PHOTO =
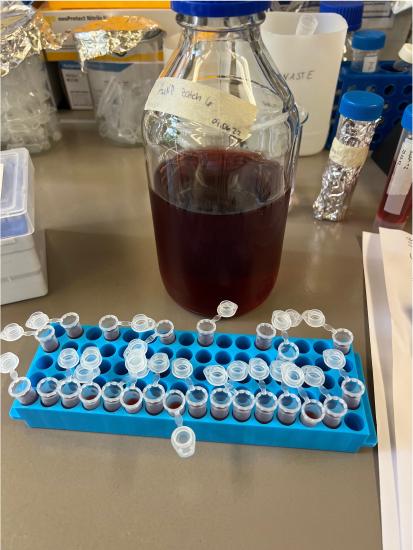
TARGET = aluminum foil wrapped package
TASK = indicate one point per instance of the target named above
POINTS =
(24, 33)
(359, 115)
(28, 112)
(123, 58)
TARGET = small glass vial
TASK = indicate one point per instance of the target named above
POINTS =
(47, 338)
(131, 399)
(21, 389)
(366, 49)
(70, 322)
(47, 390)
(396, 203)
(153, 395)
(242, 405)
(90, 395)
(196, 399)
(220, 401)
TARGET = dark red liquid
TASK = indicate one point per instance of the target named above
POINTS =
(389, 218)
(219, 219)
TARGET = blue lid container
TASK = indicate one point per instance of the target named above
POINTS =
(360, 105)
(218, 8)
(351, 11)
(368, 40)
(407, 119)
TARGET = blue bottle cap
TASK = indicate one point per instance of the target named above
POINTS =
(360, 105)
(351, 11)
(222, 8)
(368, 40)
(407, 118)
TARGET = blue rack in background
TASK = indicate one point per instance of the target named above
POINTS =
(395, 88)
(356, 431)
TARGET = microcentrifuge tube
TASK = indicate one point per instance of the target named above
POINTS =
(206, 327)
(196, 397)
(242, 405)
(265, 336)
(158, 364)
(287, 351)
(136, 345)
(312, 412)
(342, 339)
(90, 395)
(353, 390)
(69, 392)
(20, 388)
(265, 405)
(131, 399)
(165, 331)
(109, 325)
(111, 393)
(71, 323)
(281, 321)
(88, 368)
(47, 390)
(47, 338)
(220, 400)
(335, 409)
(289, 406)
(335, 359)
(68, 359)
(259, 371)
(153, 398)
(183, 438)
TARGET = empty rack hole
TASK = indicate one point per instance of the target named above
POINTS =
(107, 350)
(44, 362)
(72, 345)
(223, 341)
(354, 422)
(222, 357)
(203, 356)
(129, 335)
(120, 368)
(104, 367)
(242, 342)
(186, 339)
(93, 333)
(184, 354)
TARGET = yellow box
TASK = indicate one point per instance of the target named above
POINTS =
(109, 4)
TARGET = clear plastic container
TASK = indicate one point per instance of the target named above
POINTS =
(17, 194)
(366, 46)
(120, 88)
(28, 112)
(220, 133)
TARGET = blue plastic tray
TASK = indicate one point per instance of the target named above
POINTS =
(394, 87)
(356, 431)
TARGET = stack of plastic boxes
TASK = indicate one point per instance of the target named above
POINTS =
(23, 250)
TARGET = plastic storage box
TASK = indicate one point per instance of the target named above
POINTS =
(356, 430)
(23, 252)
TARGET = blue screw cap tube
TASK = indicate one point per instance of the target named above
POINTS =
(359, 115)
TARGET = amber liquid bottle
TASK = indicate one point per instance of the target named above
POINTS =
(220, 179)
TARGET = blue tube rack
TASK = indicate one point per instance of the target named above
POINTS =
(394, 87)
(356, 431)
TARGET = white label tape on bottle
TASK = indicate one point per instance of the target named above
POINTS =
(369, 63)
(401, 179)
(349, 157)
(203, 104)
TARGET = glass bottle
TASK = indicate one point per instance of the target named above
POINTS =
(396, 203)
(220, 133)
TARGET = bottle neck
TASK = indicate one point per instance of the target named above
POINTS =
(224, 25)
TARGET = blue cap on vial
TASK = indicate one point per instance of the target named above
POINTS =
(351, 11)
(222, 8)
(407, 118)
(368, 40)
(360, 105)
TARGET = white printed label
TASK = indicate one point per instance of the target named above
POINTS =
(369, 63)
(401, 179)
(202, 104)
(349, 157)
(1, 177)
